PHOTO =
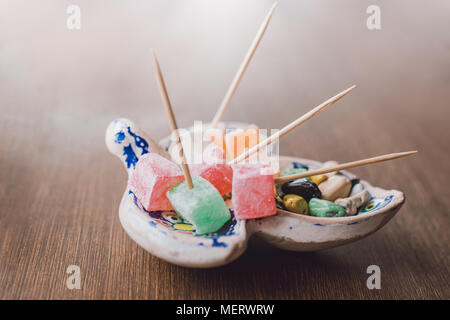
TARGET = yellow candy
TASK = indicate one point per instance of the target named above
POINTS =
(296, 204)
(319, 178)
(183, 226)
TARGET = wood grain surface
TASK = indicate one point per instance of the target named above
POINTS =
(60, 188)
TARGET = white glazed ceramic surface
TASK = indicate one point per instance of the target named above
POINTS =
(167, 236)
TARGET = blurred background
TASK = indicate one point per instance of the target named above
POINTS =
(59, 88)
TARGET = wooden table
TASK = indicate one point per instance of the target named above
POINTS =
(60, 188)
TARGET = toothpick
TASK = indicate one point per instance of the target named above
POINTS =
(172, 120)
(237, 78)
(291, 126)
(343, 166)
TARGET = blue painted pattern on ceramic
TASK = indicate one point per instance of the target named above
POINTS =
(131, 157)
(296, 164)
(120, 136)
(139, 141)
(377, 203)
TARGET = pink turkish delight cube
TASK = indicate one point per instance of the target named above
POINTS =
(214, 169)
(153, 177)
(253, 191)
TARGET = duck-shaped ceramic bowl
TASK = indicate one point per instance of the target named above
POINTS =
(165, 235)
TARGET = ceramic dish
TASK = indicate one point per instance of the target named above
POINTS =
(167, 236)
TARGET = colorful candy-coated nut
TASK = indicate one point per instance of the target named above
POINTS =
(295, 203)
(337, 186)
(303, 188)
(289, 171)
(319, 178)
(325, 209)
(353, 203)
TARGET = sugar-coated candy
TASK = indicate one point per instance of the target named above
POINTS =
(237, 141)
(212, 154)
(353, 203)
(253, 191)
(337, 186)
(202, 205)
(302, 187)
(261, 158)
(217, 137)
(216, 174)
(154, 175)
(214, 169)
(325, 209)
(295, 203)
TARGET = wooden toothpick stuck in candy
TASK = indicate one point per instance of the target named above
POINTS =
(172, 120)
(200, 203)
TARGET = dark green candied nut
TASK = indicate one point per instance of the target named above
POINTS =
(295, 203)
(325, 209)
(303, 188)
